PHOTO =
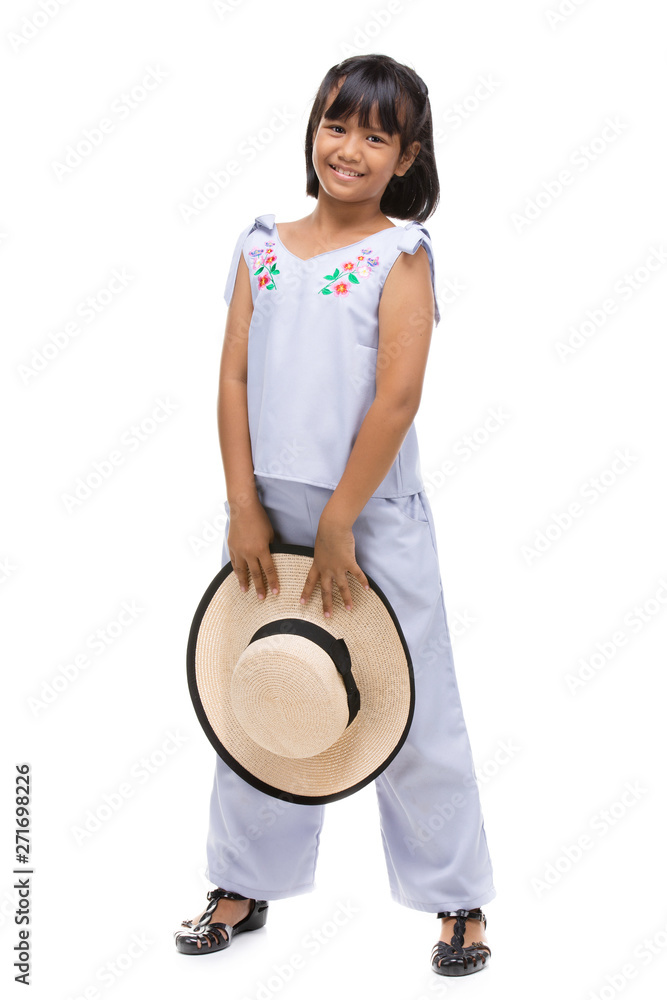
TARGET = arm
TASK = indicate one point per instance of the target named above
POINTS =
(250, 529)
(233, 429)
(406, 315)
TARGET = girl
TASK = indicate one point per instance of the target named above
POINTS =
(325, 348)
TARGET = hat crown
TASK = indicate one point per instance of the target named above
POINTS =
(288, 696)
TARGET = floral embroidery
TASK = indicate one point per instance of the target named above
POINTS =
(264, 259)
(361, 267)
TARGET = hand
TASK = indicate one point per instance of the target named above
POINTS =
(250, 532)
(333, 559)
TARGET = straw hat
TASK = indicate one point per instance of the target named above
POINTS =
(305, 708)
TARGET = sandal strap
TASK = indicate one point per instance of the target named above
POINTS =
(224, 894)
(213, 896)
(475, 914)
(460, 926)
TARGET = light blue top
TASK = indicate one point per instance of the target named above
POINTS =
(313, 349)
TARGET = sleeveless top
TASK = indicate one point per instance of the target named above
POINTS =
(312, 353)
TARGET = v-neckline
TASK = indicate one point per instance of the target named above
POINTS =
(306, 260)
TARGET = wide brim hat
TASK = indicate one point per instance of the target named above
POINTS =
(305, 708)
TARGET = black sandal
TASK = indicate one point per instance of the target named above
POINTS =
(453, 959)
(203, 937)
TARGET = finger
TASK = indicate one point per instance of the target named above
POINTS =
(271, 573)
(345, 594)
(240, 573)
(309, 585)
(360, 576)
(256, 573)
(327, 596)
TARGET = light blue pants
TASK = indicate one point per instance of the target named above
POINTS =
(430, 815)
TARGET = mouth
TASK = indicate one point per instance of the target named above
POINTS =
(349, 175)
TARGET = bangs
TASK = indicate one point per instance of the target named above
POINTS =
(365, 94)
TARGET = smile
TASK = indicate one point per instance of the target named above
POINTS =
(344, 173)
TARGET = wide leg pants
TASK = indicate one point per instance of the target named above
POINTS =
(430, 815)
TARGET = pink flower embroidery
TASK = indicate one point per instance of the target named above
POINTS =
(352, 270)
(265, 261)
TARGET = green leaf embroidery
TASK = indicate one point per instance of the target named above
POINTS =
(262, 256)
(366, 261)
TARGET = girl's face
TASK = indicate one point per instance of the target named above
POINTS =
(369, 155)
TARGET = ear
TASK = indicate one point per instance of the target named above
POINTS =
(408, 158)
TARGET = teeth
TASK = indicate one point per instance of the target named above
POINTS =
(347, 173)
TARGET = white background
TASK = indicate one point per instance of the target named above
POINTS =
(532, 619)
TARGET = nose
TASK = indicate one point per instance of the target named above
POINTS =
(348, 149)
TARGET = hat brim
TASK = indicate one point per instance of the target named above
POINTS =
(372, 739)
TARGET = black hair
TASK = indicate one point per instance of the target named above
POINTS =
(403, 107)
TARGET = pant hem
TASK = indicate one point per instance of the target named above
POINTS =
(251, 893)
(457, 904)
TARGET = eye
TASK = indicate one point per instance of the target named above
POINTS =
(379, 139)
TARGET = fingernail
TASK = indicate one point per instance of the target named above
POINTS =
(302, 600)
(261, 597)
(275, 590)
(349, 607)
(327, 614)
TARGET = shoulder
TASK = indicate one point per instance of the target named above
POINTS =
(411, 275)
(260, 225)
(412, 251)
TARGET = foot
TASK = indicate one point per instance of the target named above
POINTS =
(227, 911)
(474, 933)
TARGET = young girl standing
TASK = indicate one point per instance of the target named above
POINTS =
(325, 349)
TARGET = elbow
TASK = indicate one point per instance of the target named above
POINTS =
(402, 409)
